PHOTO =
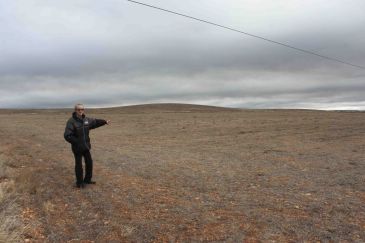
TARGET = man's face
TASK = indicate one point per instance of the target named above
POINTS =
(80, 110)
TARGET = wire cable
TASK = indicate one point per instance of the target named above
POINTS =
(245, 33)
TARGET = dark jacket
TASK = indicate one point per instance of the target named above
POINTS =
(77, 131)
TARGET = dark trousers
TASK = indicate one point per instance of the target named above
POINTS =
(88, 166)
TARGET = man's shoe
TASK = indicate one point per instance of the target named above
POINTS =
(80, 185)
(89, 182)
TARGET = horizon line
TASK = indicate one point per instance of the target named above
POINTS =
(191, 104)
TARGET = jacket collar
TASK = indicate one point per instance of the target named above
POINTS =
(76, 117)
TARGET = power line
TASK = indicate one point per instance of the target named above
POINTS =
(245, 33)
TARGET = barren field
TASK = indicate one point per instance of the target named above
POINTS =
(182, 173)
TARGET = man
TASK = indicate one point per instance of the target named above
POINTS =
(77, 133)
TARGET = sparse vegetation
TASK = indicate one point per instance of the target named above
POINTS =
(11, 226)
(170, 173)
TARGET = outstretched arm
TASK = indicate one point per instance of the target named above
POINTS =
(95, 123)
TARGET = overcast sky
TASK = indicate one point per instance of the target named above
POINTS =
(113, 52)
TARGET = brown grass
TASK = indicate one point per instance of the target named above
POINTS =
(11, 226)
(180, 173)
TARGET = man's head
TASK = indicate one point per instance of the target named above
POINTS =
(79, 109)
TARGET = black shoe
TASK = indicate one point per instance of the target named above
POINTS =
(89, 182)
(80, 185)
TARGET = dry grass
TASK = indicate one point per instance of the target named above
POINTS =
(10, 222)
(180, 173)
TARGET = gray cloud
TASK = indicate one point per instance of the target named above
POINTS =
(115, 53)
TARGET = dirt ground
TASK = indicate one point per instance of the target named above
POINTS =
(181, 173)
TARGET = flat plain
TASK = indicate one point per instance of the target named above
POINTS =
(186, 173)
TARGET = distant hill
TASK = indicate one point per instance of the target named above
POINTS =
(168, 107)
(143, 108)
